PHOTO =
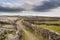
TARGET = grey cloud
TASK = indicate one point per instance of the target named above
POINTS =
(28, 5)
(25, 5)
(10, 7)
(47, 5)
(5, 9)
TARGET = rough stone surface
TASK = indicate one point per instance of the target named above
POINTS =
(45, 33)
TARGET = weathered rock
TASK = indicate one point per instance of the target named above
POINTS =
(45, 33)
(12, 37)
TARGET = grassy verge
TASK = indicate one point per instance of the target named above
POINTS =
(53, 28)
(23, 35)
(50, 22)
(32, 31)
(1, 25)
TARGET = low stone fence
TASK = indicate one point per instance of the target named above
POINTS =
(45, 33)
(44, 23)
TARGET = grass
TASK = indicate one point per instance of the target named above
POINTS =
(50, 22)
(50, 27)
(23, 35)
(32, 31)
(53, 28)
(1, 25)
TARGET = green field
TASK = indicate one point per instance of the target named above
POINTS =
(52, 28)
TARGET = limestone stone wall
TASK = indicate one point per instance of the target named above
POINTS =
(45, 33)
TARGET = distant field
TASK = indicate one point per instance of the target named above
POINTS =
(49, 23)
(52, 28)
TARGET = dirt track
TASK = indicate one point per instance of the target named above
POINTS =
(29, 35)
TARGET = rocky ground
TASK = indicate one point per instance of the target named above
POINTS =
(28, 28)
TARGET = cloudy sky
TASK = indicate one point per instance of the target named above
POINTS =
(33, 7)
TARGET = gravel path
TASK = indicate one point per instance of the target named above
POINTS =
(29, 36)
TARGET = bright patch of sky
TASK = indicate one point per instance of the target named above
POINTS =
(11, 3)
(5, 1)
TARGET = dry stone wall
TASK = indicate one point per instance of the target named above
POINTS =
(45, 33)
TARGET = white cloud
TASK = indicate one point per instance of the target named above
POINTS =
(29, 4)
(33, 2)
(25, 4)
(10, 5)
